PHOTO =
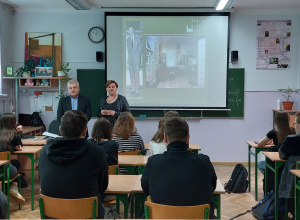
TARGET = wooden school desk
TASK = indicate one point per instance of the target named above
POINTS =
(31, 130)
(297, 192)
(140, 196)
(273, 156)
(192, 146)
(253, 145)
(121, 186)
(30, 152)
(39, 141)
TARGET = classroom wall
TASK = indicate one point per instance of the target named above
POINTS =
(224, 140)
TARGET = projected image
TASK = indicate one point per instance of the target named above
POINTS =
(134, 45)
(175, 62)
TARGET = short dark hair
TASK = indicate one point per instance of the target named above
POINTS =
(73, 123)
(102, 129)
(170, 114)
(176, 129)
(110, 82)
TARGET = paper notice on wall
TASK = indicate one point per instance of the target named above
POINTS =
(55, 105)
(47, 98)
(36, 104)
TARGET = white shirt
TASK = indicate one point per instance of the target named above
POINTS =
(157, 148)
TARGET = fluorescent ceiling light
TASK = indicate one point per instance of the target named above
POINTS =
(221, 4)
(79, 4)
(225, 5)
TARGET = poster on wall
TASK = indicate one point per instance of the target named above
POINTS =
(273, 44)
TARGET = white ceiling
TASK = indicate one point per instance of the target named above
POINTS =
(99, 5)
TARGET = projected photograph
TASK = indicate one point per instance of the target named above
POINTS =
(175, 61)
(134, 50)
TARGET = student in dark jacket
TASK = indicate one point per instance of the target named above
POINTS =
(71, 167)
(102, 135)
(179, 177)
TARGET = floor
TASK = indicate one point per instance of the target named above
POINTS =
(231, 204)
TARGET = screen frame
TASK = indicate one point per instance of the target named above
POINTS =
(173, 14)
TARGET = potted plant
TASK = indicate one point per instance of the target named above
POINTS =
(288, 105)
(22, 70)
(64, 70)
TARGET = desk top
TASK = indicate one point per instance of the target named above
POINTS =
(295, 172)
(254, 145)
(137, 188)
(28, 129)
(274, 156)
(30, 141)
(2, 162)
(29, 150)
(128, 160)
(192, 146)
(121, 184)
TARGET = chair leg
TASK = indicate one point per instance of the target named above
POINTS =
(8, 193)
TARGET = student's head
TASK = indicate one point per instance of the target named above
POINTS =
(297, 122)
(159, 135)
(111, 87)
(102, 130)
(124, 126)
(73, 124)
(176, 129)
(170, 114)
(73, 88)
(7, 121)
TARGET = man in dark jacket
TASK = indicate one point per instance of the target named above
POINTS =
(71, 167)
(179, 177)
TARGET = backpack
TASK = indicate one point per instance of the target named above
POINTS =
(37, 121)
(266, 208)
(238, 182)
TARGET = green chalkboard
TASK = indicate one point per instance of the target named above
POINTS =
(92, 83)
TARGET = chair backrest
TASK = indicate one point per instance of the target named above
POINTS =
(135, 152)
(54, 127)
(68, 208)
(158, 211)
(5, 155)
(113, 170)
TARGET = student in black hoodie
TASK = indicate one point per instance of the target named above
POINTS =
(71, 167)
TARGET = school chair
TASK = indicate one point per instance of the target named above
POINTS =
(135, 152)
(111, 201)
(6, 156)
(158, 211)
(68, 208)
(54, 127)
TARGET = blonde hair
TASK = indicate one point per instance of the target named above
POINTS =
(124, 126)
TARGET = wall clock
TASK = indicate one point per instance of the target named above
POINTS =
(96, 34)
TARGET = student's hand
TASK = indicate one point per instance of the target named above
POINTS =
(19, 148)
(19, 128)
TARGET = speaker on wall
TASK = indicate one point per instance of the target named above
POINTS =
(99, 56)
(234, 55)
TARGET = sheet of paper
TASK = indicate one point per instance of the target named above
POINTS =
(47, 98)
(55, 105)
(36, 104)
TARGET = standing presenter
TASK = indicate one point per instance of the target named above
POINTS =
(111, 106)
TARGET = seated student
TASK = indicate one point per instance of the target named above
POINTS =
(290, 151)
(157, 143)
(276, 135)
(170, 114)
(102, 135)
(125, 134)
(179, 177)
(71, 167)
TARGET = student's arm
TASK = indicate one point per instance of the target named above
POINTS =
(284, 149)
(144, 180)
(263, 141)
(103, 176)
